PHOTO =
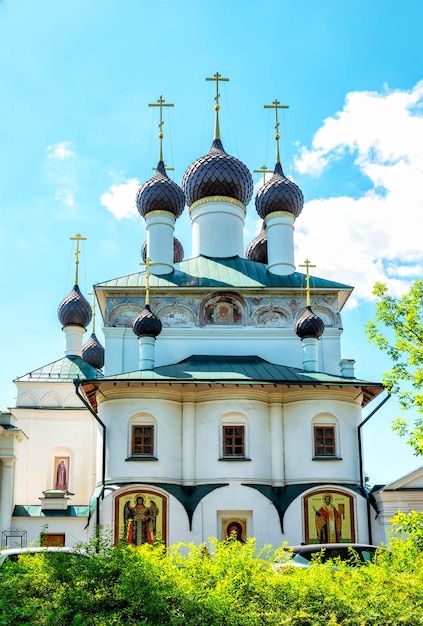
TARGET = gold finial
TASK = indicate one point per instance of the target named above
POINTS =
(263, 170)
(307, 265)
(217, 77)
(161, 103)
(276, 105)
(77, 238)
(147, 263)
(94, 306)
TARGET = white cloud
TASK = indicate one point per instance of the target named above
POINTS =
(120, 199)
(65, 196)
(60, 150)
(375, 237)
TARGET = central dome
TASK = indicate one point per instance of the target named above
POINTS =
(217, 174)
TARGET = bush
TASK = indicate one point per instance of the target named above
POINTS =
(223, 584)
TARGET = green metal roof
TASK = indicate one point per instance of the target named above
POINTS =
(234, 271)
(64, 370)
(237, 369)
(35, 510)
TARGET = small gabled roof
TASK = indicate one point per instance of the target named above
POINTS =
(223, 273)
(64, 370)
(409, 482)
(212, 369)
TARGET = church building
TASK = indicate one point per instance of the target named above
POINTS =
(220, 401)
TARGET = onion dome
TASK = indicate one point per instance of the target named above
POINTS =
(93, 352)
(160, 193)
(74, 310)
(217, 174)
(309, 325)
(257, 249)
(279, 194)
(147, 324)
(178, 251)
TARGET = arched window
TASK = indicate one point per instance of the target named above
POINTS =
(325, 437)
(142, 437)
(233, 437)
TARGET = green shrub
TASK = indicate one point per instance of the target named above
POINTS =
(221, 584)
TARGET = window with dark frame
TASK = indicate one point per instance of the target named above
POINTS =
(233, 441)
(142, 440)
(324, 441)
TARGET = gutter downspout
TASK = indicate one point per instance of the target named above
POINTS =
(77, 383)
(360, 459)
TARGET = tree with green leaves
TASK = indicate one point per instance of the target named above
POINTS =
(398, 331)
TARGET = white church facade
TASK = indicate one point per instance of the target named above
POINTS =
(220, 402)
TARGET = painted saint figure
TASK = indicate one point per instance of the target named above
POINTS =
(328, 521)
(234, 532)
(137, 520)
(61, 476)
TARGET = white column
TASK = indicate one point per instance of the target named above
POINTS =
(276, 443)
(73, 340)
(188, 442)
(310, 358)
(280, 242)
(146, 344)
(217, 227)
(6, 494)
(160, 226)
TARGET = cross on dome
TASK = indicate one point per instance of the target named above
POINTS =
(217, 77)
(77, 238)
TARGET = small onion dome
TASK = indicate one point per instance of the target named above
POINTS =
(217, 174)
(74, 310)
(309, 325)
(178, 251)
(160, 193)
(93, 352)
(279, 194)
(147, 323)
(257, 249)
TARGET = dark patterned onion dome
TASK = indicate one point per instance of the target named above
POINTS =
(160, 193)
(147, 324)
(93, 352)
(74, 310)
(279, 194)
(309, 325)
(178, 251)
(257, 249)
(217, 174)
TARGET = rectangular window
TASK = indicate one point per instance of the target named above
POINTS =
(324, 441)
(143, 440)
(233, 441)
(53, 539)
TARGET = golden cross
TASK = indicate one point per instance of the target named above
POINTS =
(161, 103)
(217, 77)
(276, 105)
(307, 265)
(168, 169)
(263, 170)
(92, 293)
(148, 263)
(77, 238)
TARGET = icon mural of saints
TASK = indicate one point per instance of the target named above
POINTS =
(141, 518)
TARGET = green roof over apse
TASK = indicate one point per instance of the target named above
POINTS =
(232, 272)
(212, 369)
(63, 370)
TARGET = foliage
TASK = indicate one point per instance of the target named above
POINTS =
(223, 584)
(409, 527)
(401, 338)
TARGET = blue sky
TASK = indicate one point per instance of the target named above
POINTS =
(77, 137)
